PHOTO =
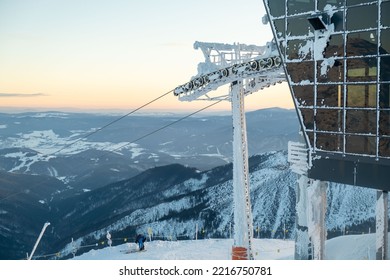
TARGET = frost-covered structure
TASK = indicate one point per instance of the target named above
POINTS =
(336, 56)
(247, 68)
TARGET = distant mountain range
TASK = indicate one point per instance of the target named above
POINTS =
(86, 190)
(55, 143)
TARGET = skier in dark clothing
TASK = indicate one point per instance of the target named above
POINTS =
(140, 240)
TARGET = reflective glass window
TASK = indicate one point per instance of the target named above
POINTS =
(361, 121)
(385, 41)
(303, 71)
(280, 28)
(298, 26)
(304, 95)
(385, 11)
(384, 96)
(384, 123)
(361, 69)
(338, 21)
(327, 73)
(329, 142)
(335, 47)
(299, 6)
(384, 147)
(360, 144)
(385, 69)
(308, 118)
(299, 49)
(362, 43)
(330, 96)
(329, 120)
(362, 17)
(363, 96)
(277, 7)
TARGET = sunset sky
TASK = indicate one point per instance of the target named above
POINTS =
(119, 54)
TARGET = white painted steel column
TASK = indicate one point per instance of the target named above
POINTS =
(316, 217)
(298, 157)
(382, 225)
(302, 235)
(243, 222)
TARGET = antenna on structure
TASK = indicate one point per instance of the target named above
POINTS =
(247, 68)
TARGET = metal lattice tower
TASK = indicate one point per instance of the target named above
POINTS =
(247, 68)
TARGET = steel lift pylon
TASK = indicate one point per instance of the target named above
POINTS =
(247, 69)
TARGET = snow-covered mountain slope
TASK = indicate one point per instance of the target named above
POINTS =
(174, 200)
(205, 249)
(204, 201)
(352, 247)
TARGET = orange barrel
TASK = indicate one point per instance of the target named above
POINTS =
(239, 253)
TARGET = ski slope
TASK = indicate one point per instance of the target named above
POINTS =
(349, 247)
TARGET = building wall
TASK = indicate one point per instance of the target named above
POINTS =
(336, 54)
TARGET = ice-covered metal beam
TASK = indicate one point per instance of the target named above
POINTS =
(257, 67)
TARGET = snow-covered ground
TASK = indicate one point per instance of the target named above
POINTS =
(351, 247)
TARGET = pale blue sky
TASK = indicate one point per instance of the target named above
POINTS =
(117, 53)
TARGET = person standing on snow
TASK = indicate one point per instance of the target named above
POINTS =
(140, 240)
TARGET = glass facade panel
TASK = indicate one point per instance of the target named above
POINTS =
(280, 28)
(329, 120)
(384, 96)
(361, 121)
(385, 42)
(362, 43)
(330, 96)
(303, 71)
(384, 123)
(362, 17)
(385, 11)
(277, 7)
(327, 74)
(329, 142)
(384, 147)
(295, 50)
(335, 47)
(384, 75)
(361, 144)
(361, 69)
(362, 96)
(299, 26)
(299, 6)
(338, 21)
(308, 118)
(304, 95)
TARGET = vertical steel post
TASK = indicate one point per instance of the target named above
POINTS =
(316, 217)
(243, 223)
(302, 235)
(382, 225)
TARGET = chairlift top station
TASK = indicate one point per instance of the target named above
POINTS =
(337, 65)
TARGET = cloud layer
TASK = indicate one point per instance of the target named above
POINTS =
(22, 94)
